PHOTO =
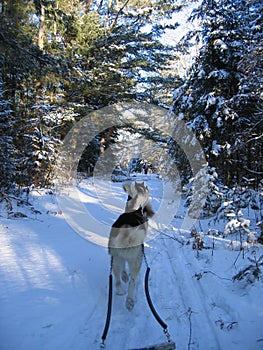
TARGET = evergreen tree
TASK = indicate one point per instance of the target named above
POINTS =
(58, 55)
(7, 148)
(23, 66)
(216, 100)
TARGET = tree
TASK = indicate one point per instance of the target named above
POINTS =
(58, 55)
(7, 148)
(216, 100)
(23, 68)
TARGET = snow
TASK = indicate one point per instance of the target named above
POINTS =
(54, 283)
(219, 74)
(216, 148)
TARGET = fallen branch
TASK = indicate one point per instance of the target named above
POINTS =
(222, 278)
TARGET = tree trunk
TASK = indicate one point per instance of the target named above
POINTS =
(88, 5)
(41, 30)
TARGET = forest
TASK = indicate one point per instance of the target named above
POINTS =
(60, 59)
(190, 74)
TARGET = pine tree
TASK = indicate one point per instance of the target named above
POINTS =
(58, 54)
(212, 100)
(7, 147)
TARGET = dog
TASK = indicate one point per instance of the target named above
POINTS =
(127, 236)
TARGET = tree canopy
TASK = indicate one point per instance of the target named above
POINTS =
(60, 59)
(221, 99)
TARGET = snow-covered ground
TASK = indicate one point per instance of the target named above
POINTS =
(54, 283)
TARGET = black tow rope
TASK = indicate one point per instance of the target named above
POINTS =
(148, 297)
(107, 323)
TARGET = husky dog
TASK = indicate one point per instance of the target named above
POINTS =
(127, 236)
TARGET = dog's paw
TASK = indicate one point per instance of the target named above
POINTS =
(124, 276)
(120, 291)
(129, 303)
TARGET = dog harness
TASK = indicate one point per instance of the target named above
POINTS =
(133, 219)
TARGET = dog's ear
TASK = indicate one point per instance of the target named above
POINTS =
(129, 188)
(124, 186)
(140, 185)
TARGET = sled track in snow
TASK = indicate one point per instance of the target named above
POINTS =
(201, 329)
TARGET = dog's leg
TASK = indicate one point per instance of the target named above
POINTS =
(118, 265)
(134, 266)
(130, 297)
(124, 276)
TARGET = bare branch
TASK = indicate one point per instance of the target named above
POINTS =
(118, 14)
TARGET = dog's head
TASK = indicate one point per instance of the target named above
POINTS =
(135, 188)
(138, 196)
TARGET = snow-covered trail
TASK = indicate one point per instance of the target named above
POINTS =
(54, 288)
(194, 327)
(206, 313)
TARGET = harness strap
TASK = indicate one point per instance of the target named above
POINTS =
(107, 323)
(148, 297)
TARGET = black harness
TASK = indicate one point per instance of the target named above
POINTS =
(133, 219)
